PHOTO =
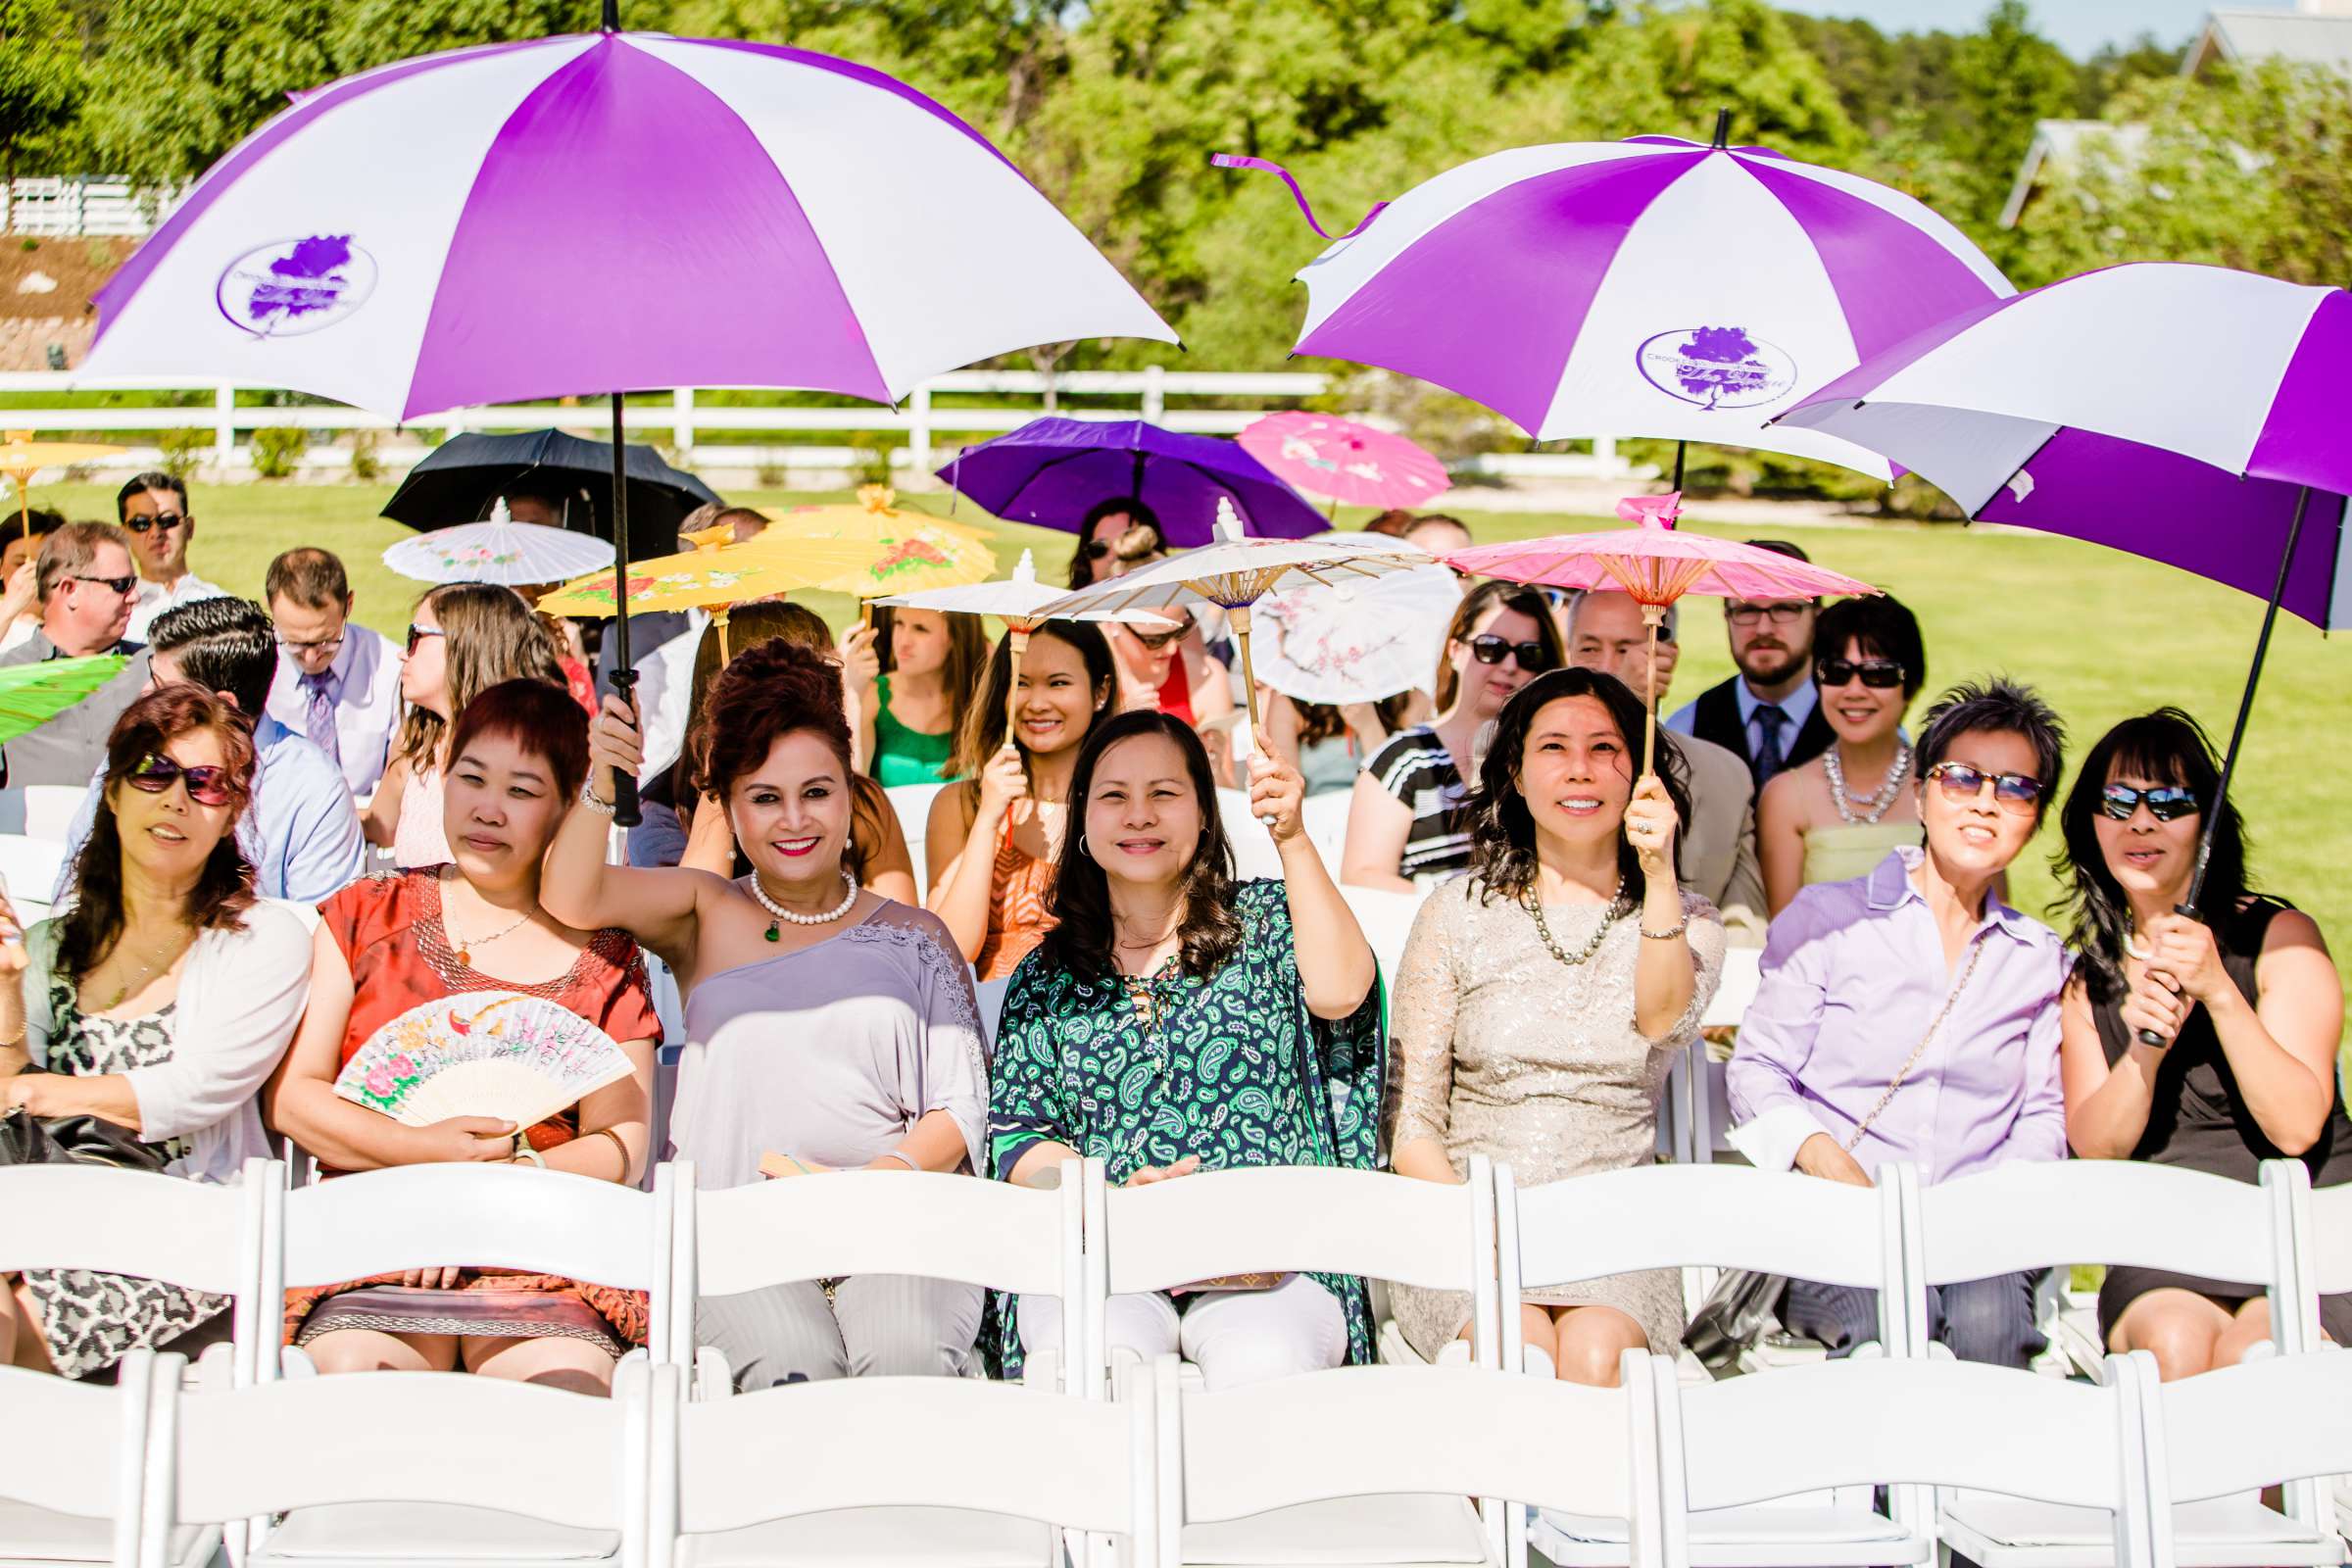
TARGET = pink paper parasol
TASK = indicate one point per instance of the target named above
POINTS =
(1344, 461)
(1657, 565)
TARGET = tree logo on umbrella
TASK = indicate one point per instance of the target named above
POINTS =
(293, 287)
(1716, 367)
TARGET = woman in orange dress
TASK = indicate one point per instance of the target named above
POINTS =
(387, 943)
(993, 838)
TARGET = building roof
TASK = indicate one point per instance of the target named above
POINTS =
(2057, 145)
(2315, 33)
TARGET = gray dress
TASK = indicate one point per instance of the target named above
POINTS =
(1501, 1051)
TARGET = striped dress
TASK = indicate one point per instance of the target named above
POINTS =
(1415, 767)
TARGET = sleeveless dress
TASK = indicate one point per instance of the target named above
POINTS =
(903, 755)
(1176, 692)
(390, 931)
(1842, 851)
(418, 837)
(1020, 903)
(2199, 1122)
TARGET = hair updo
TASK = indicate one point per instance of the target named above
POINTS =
(765, 693)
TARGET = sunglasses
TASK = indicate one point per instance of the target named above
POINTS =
(207, 785)
(417, 634)
(2166, 802)
(121, 585)
(166, 520)
(1095, 549)
(1489, 648)
(1157, 640)
(1879, 673)
(1962, 783)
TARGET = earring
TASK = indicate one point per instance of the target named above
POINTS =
(1082, 844)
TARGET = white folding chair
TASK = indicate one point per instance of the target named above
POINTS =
(992, 1234)
(990, 994)
(390, 1469)
(899, 1471)
(2323, 1267)
(28, 869)
(74, 1476)
(1272, 1218)
(50, 810)
(1253, 853)
(1349, 1466)
(1702, 1105)
(1720, 1216)
(2222, 1436)
(1909, 1423)
(913, 803)
(1325, 817)
(1387, 921)
(2043, 1214)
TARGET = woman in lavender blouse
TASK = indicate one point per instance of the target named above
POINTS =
(1921, 954)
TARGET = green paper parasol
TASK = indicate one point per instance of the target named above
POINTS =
(31, 695)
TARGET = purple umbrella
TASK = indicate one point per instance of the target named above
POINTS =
(2192, 414)
(1050, 470)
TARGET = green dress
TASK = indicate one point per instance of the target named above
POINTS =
(1237, 1071)
(903, 755)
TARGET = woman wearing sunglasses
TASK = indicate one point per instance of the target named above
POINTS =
(2247, 1010)
(160, 1001)
(1910, 1014)
(1099, 531)
(464, 638)
(1837, 815)
(1409, 818)
(1167, 669)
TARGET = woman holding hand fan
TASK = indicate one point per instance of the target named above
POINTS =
(450, 986)
(827, 1027)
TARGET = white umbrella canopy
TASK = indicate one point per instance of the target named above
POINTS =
(501, 550)
(1356, 642)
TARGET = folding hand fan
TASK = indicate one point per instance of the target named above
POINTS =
(481, 1054)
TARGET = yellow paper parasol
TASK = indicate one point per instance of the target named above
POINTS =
(21, 456)
(875, 515)
(714, 577)
(911, 552)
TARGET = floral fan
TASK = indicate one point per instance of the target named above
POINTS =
(499, 1053)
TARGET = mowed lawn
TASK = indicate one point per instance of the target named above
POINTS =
(2102, 634)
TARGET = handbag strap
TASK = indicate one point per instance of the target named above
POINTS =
(1975, 951)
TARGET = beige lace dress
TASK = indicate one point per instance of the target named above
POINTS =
(1501, 1050)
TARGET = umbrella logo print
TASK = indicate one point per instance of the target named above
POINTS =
(290, 287)
(1716, 367)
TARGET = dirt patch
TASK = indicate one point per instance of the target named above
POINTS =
(45, 289)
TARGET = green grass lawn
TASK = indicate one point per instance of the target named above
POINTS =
(2103, 635)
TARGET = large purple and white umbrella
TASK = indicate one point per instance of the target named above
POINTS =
(1650, 287)
(600, 211)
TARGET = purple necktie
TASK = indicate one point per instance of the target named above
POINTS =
(1770, 758)
(318, 713)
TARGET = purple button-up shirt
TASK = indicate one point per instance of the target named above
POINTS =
(1853, 973)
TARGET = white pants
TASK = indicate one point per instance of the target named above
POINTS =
(1234, 1336)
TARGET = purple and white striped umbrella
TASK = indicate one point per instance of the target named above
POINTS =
(1650, 287)
(585, 214)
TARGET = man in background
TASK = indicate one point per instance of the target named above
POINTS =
(337, 683)
(87, 587)
(154, 509)
(1769, 714)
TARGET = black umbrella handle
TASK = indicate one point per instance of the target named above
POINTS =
(625, 811)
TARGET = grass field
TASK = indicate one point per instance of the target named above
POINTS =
(2104, 635)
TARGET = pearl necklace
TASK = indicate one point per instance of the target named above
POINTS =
(849, 896)
(1600, 934)
(1879, 803)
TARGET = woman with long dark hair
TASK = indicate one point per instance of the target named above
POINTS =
(160, 1001)
(2247, 1009)
(1543, 997)
(931, 667)
(1176, 1020)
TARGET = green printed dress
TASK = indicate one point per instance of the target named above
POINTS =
(1233, 1069)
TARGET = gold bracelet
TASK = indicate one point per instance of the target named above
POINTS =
(617, 1144)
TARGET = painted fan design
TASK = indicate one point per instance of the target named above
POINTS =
(482, 1053)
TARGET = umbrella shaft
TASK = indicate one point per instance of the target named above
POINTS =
(625, 673)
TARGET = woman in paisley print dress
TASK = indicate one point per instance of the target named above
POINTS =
(827, 1027)
(160, 1001)
(1174, 1020)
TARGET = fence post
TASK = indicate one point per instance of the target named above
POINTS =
(682, 436)
(1156, 393)
(1604, 457)
(919, 428)
(224, 425)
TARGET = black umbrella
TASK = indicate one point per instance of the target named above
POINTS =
(458, 479)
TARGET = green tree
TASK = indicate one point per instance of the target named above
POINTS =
(40, 75)
(2006, 78)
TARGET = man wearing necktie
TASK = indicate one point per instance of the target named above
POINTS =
(1769, 713)
(338, 683)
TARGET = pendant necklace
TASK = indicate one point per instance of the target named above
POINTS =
(464, 948)
(781, 914)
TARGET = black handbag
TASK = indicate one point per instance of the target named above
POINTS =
(28, 1140)
(1742, 1309)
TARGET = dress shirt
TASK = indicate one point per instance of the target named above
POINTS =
(1798, 704)
(1853, 973)
(154, 598)
(665, 691)
(301, 831)
(364, 683)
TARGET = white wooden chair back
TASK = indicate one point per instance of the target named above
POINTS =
(908, 1443)
(912, 803)
(1908, 1422)
(990, 995)
(1324, 815)
(2324, 1254)
(1019, 1238)
(1254, 851)
(81, 1449)
(2261, 1423)
(50, 810)
(1386, 919)
(427, 1216)
(197, 1235)
(29, 866)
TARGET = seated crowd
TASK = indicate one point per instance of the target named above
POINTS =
(218, 952)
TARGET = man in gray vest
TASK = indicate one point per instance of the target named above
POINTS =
(87, 588)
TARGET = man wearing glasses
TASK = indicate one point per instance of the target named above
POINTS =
(337, 683)
(1769, 714)
(154, 509)
(87, 585)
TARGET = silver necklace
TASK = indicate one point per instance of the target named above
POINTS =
(1879, 803)
(849, 896)
(1609, 917)
(464, 948)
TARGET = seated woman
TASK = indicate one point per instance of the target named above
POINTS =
(1331, 742)
(825, 1025)
(930, 667)
(1117, 1039)
(1543, 998)
(1911, 1014)
(160, 1001)
(1837, 815)
(517, 754)
(993, 839)
(1167, 667)
(1408, 818)
(2248, 1010)
(674, 833)
(1105, 522)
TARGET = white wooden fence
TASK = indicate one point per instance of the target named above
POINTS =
(68, 207)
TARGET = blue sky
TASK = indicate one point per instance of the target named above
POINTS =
(2080, 26)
